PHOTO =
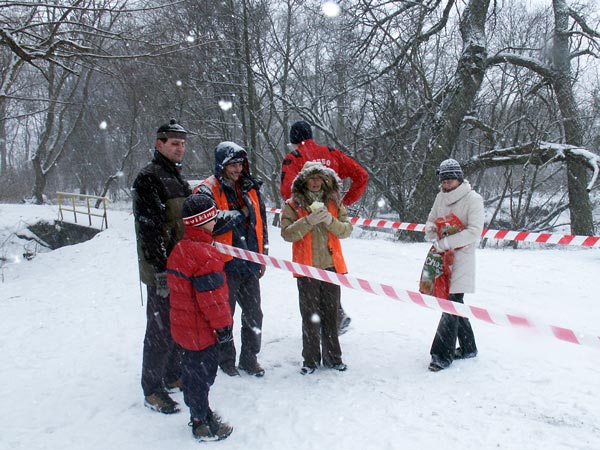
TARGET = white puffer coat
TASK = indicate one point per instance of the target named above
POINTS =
(467, 205)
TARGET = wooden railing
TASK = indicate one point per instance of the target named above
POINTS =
(80, 204)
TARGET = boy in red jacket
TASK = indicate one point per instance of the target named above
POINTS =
(200, 313)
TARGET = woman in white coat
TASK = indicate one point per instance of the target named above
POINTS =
(458, 198)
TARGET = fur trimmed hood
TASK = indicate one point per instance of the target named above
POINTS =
(332, 185)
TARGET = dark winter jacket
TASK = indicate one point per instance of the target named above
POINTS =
(199, 294)
(246, 232)
(158, 194)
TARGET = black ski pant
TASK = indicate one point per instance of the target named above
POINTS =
(199, 369)
(161, 356)
(448, 331)
(319, 305)
(341, 314)
(244, 290)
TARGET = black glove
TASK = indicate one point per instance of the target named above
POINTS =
(224, 335)
(162, 288)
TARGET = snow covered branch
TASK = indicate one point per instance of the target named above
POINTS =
(583, 24)
(537, 153)
(532, 64)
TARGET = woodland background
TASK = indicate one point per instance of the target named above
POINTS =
(510, 88)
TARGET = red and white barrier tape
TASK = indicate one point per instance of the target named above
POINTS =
(425, 301)
(507, 235)
(543, 238)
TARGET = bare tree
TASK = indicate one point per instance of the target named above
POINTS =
(60, 42)
(557, 72)
(397, 85)
(57, 131)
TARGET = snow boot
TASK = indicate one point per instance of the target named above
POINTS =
(231, 371)
(460, 354)
(253, 369)
(212, 428)
(344, 324)
(307, 370)
(341, 367)
(438, 364)
(161, 402)
(433, 367)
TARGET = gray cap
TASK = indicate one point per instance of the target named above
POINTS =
(450, 170)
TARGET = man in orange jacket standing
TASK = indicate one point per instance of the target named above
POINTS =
(306, 149)
(241, 223)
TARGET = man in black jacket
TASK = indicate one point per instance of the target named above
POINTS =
(158, 194)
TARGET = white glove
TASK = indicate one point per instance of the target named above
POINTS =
(430, 232)
(314, 206)
(318, 216)
(441, 245)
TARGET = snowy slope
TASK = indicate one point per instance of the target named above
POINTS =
(72, 330)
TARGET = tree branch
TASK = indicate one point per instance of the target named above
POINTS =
(536, 153)
(532, 64)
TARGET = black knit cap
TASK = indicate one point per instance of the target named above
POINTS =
(450, 170)
(198, 209)
(171, 130)
(300, 131)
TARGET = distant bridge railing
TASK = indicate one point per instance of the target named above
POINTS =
(80, 204)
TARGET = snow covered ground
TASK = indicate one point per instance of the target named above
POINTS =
(72, 329)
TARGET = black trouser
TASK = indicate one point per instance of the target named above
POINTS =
(199, 369)
(244, 289)
(162, 356)
(448, 331)
(319, 305)
(341, 313)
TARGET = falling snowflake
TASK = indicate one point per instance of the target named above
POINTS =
(103, 125)
(331, 9)
(225, 105)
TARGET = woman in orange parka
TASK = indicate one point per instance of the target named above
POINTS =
(315, 220)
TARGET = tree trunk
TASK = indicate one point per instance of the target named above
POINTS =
(579, 200)
(39, 184)
(3, 151)
(52, 146)
(38, 160)
(440, 131)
